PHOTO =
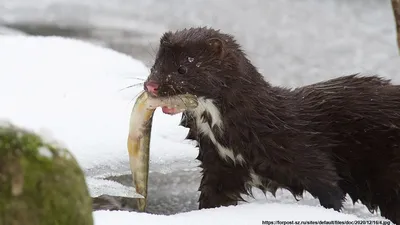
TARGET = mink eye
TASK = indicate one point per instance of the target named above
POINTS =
(182, 70)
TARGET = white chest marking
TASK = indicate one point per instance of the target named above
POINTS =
(207, 105)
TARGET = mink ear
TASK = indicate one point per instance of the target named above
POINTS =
(217, 46)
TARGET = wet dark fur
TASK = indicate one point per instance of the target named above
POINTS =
(331, 138)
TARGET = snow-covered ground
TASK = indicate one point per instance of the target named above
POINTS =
(72, 91)
(254, 213)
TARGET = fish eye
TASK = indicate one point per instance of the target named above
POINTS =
(182, 69)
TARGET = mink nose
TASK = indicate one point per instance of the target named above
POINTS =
(151, 87)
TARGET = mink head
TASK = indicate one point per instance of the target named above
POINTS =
(198, 61)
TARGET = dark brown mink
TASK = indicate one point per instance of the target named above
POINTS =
(332, 138)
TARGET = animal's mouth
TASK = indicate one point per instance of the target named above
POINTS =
(166, 109)
(170, 109)
(153, 89)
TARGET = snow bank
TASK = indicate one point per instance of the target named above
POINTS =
(72, 90)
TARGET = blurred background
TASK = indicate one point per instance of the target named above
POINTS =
(292, 42)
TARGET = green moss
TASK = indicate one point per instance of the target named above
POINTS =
(40, 183)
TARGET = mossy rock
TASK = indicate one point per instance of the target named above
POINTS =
(40, 182)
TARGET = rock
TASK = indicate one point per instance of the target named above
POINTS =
(41, 183)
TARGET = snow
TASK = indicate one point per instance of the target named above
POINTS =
(253, 213)
(70, 91)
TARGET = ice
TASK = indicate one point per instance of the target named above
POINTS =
(99, 187)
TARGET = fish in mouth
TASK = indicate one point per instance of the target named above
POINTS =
(171, 104)
(138, 142)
